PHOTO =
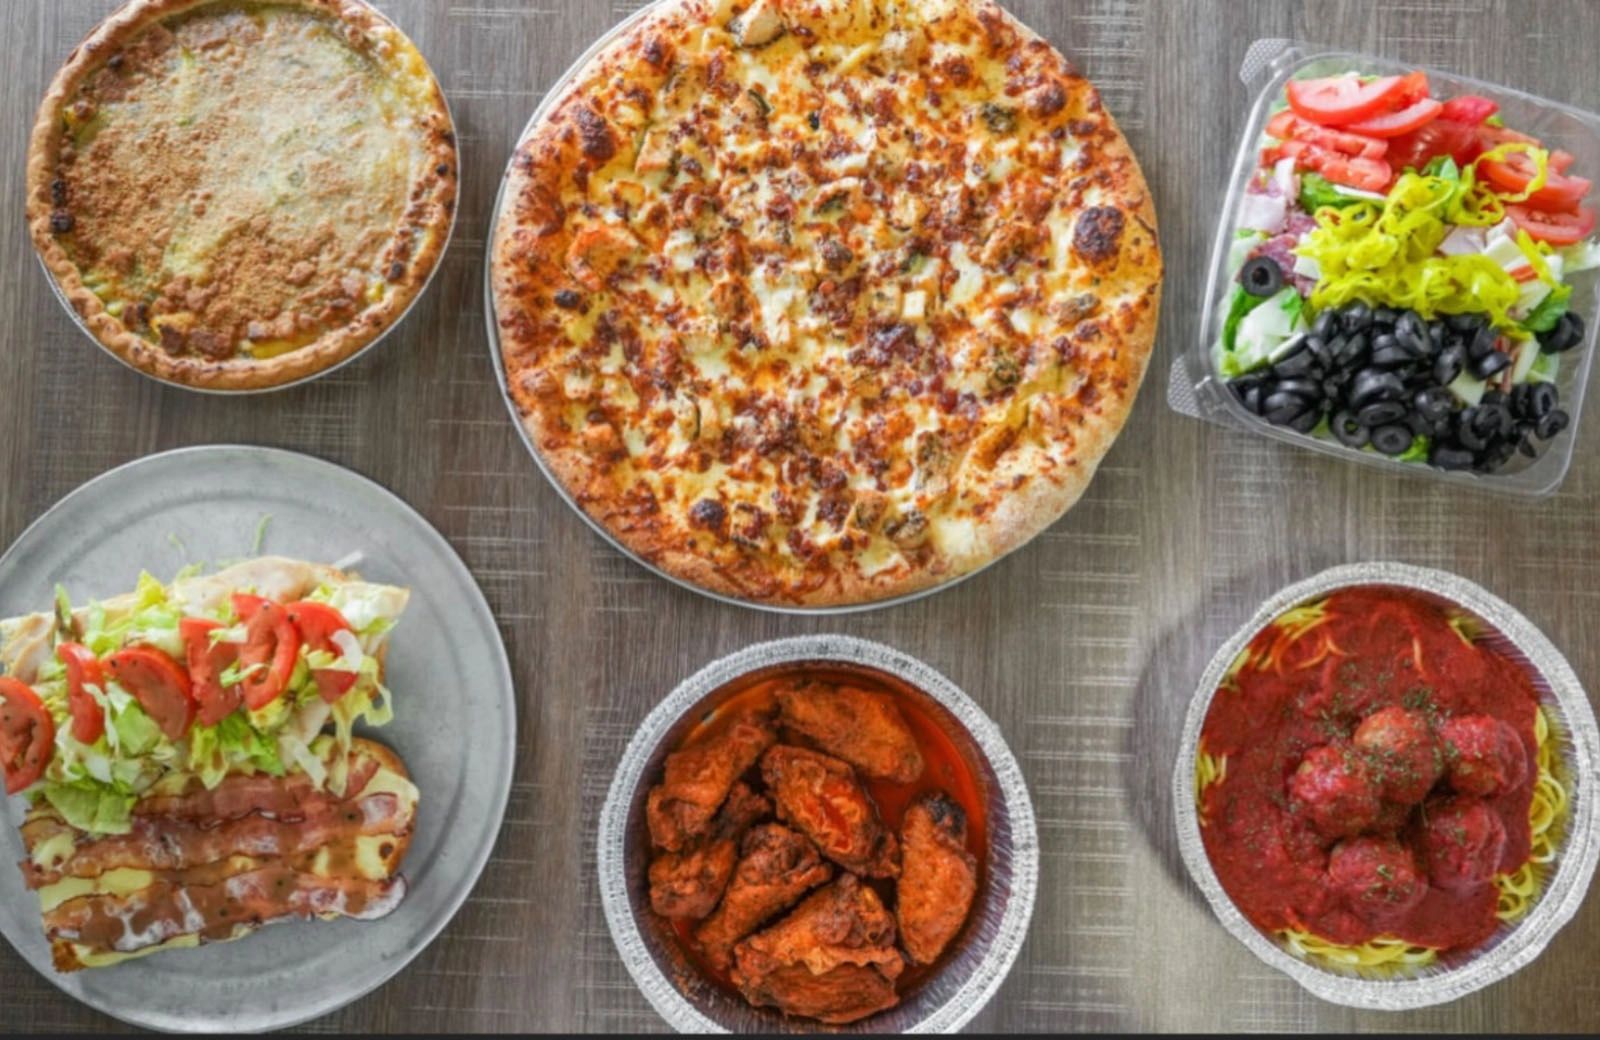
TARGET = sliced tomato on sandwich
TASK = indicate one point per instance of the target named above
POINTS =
(83, 669)
(207, 661)
(159, 684)
(271, 648)
(317, 624)
(27, 734)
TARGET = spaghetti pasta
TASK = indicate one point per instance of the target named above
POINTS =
(1520, 888)
(1231, 775)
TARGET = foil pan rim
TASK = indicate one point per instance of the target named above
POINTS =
(996, 961)
(1565, 887)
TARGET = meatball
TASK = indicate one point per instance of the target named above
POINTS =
(1463, 840)
(1485, 756)
(1403, 752)
(1377, 877)
(1333, 787)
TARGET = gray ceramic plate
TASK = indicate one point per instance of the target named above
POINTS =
(997, 925)
(206, 505)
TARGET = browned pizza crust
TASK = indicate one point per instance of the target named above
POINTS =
(273, 234)
(861, 449)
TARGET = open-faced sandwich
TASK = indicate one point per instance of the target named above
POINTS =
(189, 754)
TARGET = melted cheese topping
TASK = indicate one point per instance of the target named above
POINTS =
(823, 288)
(235, 180)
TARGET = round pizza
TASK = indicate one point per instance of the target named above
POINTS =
(822, 302)
(236, 196)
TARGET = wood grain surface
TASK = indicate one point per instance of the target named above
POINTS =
(1084, 646)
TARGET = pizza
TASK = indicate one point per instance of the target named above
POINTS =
(822, 302)
(238, 196)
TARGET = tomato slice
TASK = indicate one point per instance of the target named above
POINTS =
(1288, 126)
(271, 642)
(1353, 171)
(1469, 108)
(1413, 151)
(1341, 100)
(1413, 88)
(1493, 136)
(1560, 194)
(159, 684)
(83, 667)
(1559, 229)
(27, 734)
(1404, 121)
(317, 623)
(206, 665)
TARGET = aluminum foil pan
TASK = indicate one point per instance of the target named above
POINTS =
(455, 209)
(943, 1003)
(1563, 699)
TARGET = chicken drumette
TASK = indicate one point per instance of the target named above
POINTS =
(821, 797)
(776, 868)
(689, 883)
(832, 959)
(938, 876)
(698, 778)
(862, 727)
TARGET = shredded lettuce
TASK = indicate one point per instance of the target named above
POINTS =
(1545, 316)
(94, 786)
(1584, 256)
(1316, 191)
(1418, 452)
(1241, 306)
(92, 807)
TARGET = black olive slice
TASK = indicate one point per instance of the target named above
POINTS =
(1381, 413)
(1349, 430)
(1491, 364)
(1392, 440)
(1448, 365)
(1450, 457)
(1372, 384)
(1262, 277)
(1552, 424)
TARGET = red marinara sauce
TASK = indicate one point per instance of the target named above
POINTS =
(1379, 774)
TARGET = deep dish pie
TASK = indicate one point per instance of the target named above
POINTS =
(237, 195)
(815, 302)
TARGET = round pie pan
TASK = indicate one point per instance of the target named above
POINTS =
(1562, 697)
(992, 937)
(399, 319)
(549, 101)
(212, 505)
(557, 90)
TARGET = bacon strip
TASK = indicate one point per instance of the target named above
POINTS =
(284, 797)
(176, 844)
(167, 909)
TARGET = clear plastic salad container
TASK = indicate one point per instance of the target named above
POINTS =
(1197, 388)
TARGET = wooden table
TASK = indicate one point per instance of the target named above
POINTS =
(1084, 646)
